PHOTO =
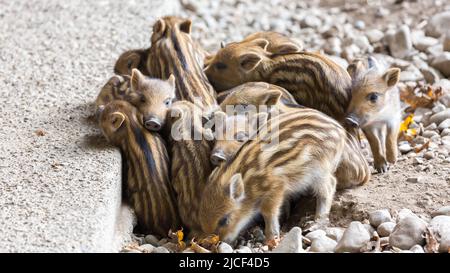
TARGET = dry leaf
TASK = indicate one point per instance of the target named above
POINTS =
(178, 236)
(40, 132)
(406, 122)
(432, 245)
(405, 133)
(209, 242)
(420, 95)
(197, 248)
(273, 243)
(423, 147)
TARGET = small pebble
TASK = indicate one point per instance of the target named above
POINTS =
(225, 248)
(151, 239)
(385, 229)
(160, 249)
(379, 216)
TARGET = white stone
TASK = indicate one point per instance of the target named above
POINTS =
(335, 233)
(405, 148)
(147, 248)
(442, 211)
(408, 232)
(323, 244)
(425, 42)
(440, 117)
(291, 243)
(355, 237)
(445, 132)
(374, 35)
(225, 248)
(440, 225)
(400, 43)
(442, 63)
(385, 229)
(311, 21)
(414, 179)
(243, 249)
(379, 216)
(417, 249)
(438, 108)
(444, 125)
(438, 24)
(315, 234)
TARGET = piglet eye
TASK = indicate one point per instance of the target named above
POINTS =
(220, 66)
(373, 97)
(142, 99)
(224, 221)
(168, 102)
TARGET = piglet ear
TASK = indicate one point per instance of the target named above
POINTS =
(391, 76)
(159, 27)
(355, 69)
(158, 30)
(186, 25)
(249, 61)
(286, 48)
(237, 187)
(117, 119)
(136, 78)
(271, 97)
(262, 43)
(171, 80)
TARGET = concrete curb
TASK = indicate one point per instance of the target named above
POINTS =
(60, 188)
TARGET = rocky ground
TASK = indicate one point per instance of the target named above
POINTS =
(406, 209)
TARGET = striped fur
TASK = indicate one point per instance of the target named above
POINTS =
(135, 58)
(116, 88)
(278, 43)
(148, 185)
(249, 87)
(314, 80)
(190, 163)
(258, 181)
(353, 169)
(174, 52)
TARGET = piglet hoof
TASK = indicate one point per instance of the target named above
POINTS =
(381, 167)
(273, 243)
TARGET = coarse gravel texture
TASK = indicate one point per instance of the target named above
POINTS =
(60, 188)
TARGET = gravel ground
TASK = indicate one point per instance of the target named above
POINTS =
(410, 35)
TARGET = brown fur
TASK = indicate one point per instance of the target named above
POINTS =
(278, 43)
(258, 181)
(148, 186)
(190, 162)
(135, 58)
(116, 88)
(314, 80)
(174, 52)
(353, 169)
